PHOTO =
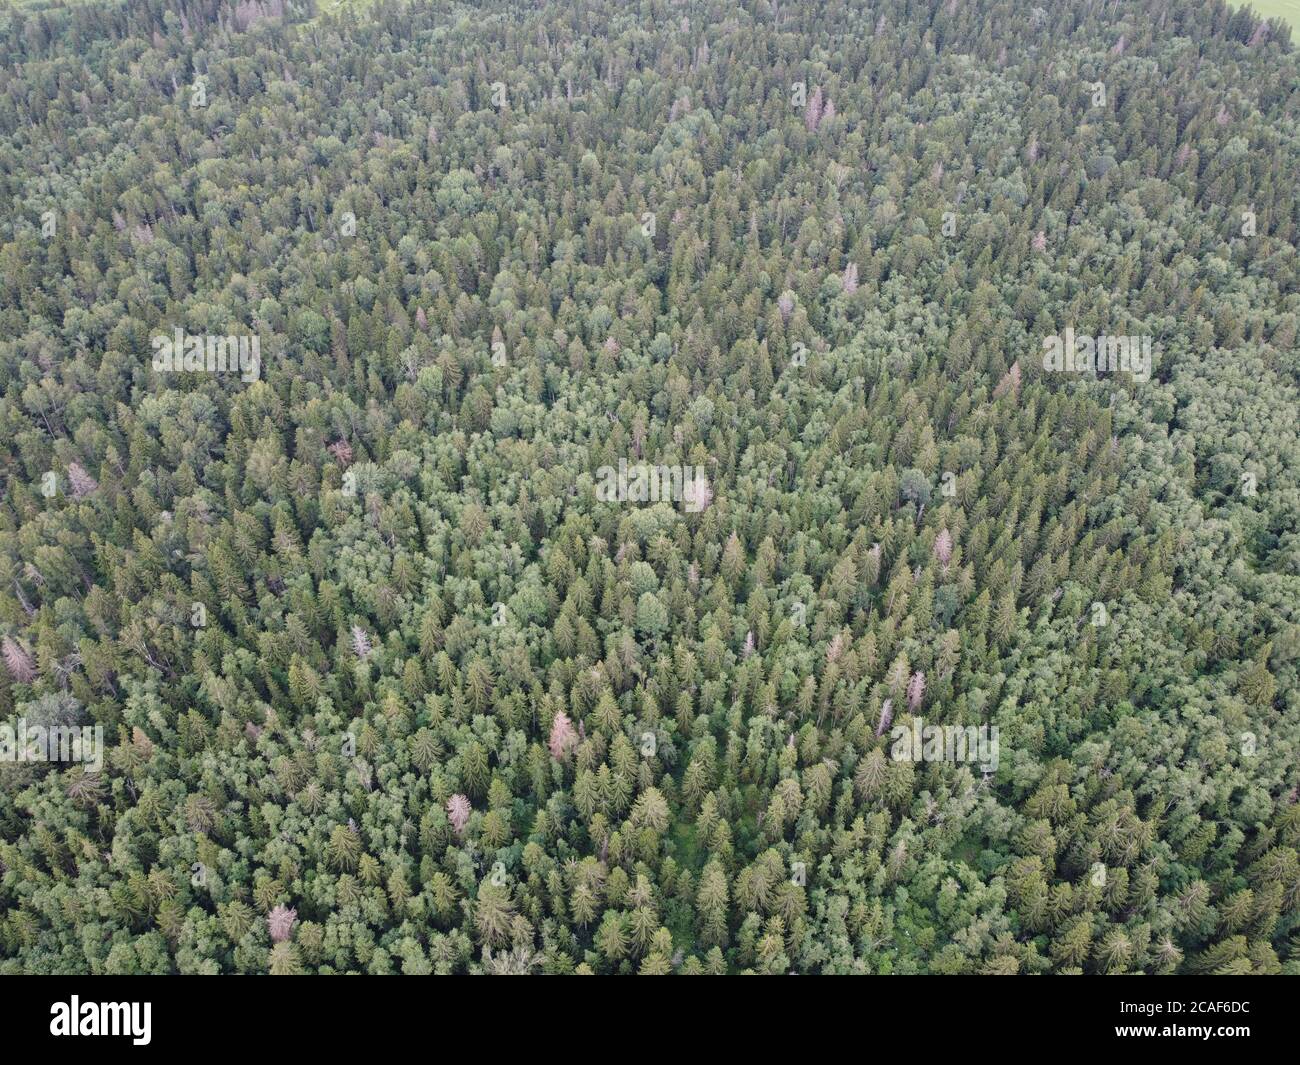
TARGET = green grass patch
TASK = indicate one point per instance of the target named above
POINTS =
(1284, 9)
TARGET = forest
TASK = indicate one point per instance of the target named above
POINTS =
(649, 487)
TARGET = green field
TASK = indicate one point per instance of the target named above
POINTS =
(1287, 9)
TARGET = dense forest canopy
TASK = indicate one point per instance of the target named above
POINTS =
(393, 674)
